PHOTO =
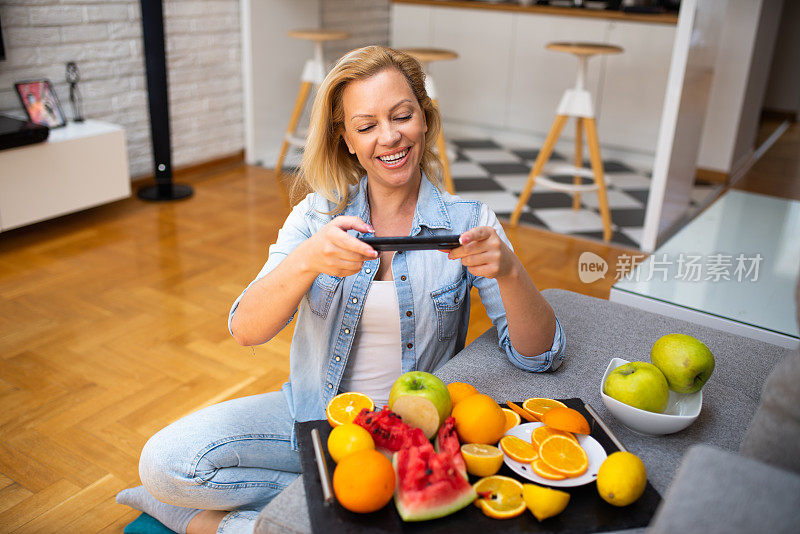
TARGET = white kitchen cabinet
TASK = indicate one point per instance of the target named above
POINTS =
(79, 166)
(411, 26)
(474, 87)
(539, 77)
(634, 85)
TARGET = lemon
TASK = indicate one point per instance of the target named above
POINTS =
(621, 479)
(544, 502)
(482, 460)
(348, 438)
(499, 497)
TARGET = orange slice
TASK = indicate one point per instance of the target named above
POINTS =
(518, 449)
(566, 419)
(500, 497)
(538, 406)
(512, 418)
(541, 469)
(564, 455)
(543, 432)
(344, 407)
(528, 416)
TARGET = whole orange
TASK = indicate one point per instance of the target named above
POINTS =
(479, 419)
(364, 481)
(460, 390)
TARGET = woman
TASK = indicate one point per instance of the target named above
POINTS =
(364, 318)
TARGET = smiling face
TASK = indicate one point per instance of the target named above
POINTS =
(384, 126)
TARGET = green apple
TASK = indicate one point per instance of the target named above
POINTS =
(685, 361)
(421, 400)
(638, 384)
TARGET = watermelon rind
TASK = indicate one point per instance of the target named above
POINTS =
(462, 500)
(457, 499)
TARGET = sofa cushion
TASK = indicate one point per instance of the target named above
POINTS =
(717, 491)
(774, 433)
(287, 513)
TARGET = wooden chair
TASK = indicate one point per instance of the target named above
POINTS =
(577, 103)
(314, 73)
(425, 56)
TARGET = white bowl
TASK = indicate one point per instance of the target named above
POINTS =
(682, 409)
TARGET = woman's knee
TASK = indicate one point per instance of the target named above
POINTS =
(162, 467)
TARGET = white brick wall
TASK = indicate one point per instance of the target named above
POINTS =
(366, 20)
(105, 38)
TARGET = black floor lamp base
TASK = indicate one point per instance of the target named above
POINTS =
(165, 192)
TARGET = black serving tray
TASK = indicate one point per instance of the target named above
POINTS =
(586, 511)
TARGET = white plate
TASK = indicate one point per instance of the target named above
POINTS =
(593, 449)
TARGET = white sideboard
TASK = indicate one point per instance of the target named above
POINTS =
(79, 166)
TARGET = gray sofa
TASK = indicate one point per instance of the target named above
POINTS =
(731, 478)
(754, 490)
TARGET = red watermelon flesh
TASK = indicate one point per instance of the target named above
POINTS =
(447, 443)
(388, 430)
(429, 484)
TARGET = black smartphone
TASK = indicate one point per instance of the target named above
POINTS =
(428, 242)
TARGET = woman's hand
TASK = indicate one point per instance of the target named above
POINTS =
(331, 250)
(484, 253)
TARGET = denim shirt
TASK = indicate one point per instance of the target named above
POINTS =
(433, 295)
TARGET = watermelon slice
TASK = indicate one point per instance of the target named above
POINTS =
(447, 443)
(429, 485)
(388, 430)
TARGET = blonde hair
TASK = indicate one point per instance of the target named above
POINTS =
(327, 166)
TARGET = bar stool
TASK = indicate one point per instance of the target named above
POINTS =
(314, 73)
(425, 56)
(576, 102)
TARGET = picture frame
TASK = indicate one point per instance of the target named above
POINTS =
(41, 103)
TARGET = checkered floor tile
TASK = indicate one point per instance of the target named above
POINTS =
(485, 170)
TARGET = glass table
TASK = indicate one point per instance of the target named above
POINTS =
(734, 268)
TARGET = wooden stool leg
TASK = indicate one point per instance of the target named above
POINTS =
(597, 169)
(299, 103)
(541, 159)
(448, 179)
(577, 180)
(441, 147)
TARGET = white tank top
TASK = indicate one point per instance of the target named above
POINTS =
(374, 361)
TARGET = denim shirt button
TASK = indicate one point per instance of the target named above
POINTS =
(455, 299)
(403, 278)
(410, 345)
(354, 300)
(330, 386)
(338, 358)
(368, 270)
(346, 330)
(408, 314)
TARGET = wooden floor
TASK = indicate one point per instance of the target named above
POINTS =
(777, 173)
(113, 324)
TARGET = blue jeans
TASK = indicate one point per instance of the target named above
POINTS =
(235, 456)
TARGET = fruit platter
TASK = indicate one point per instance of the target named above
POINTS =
(445, 458)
